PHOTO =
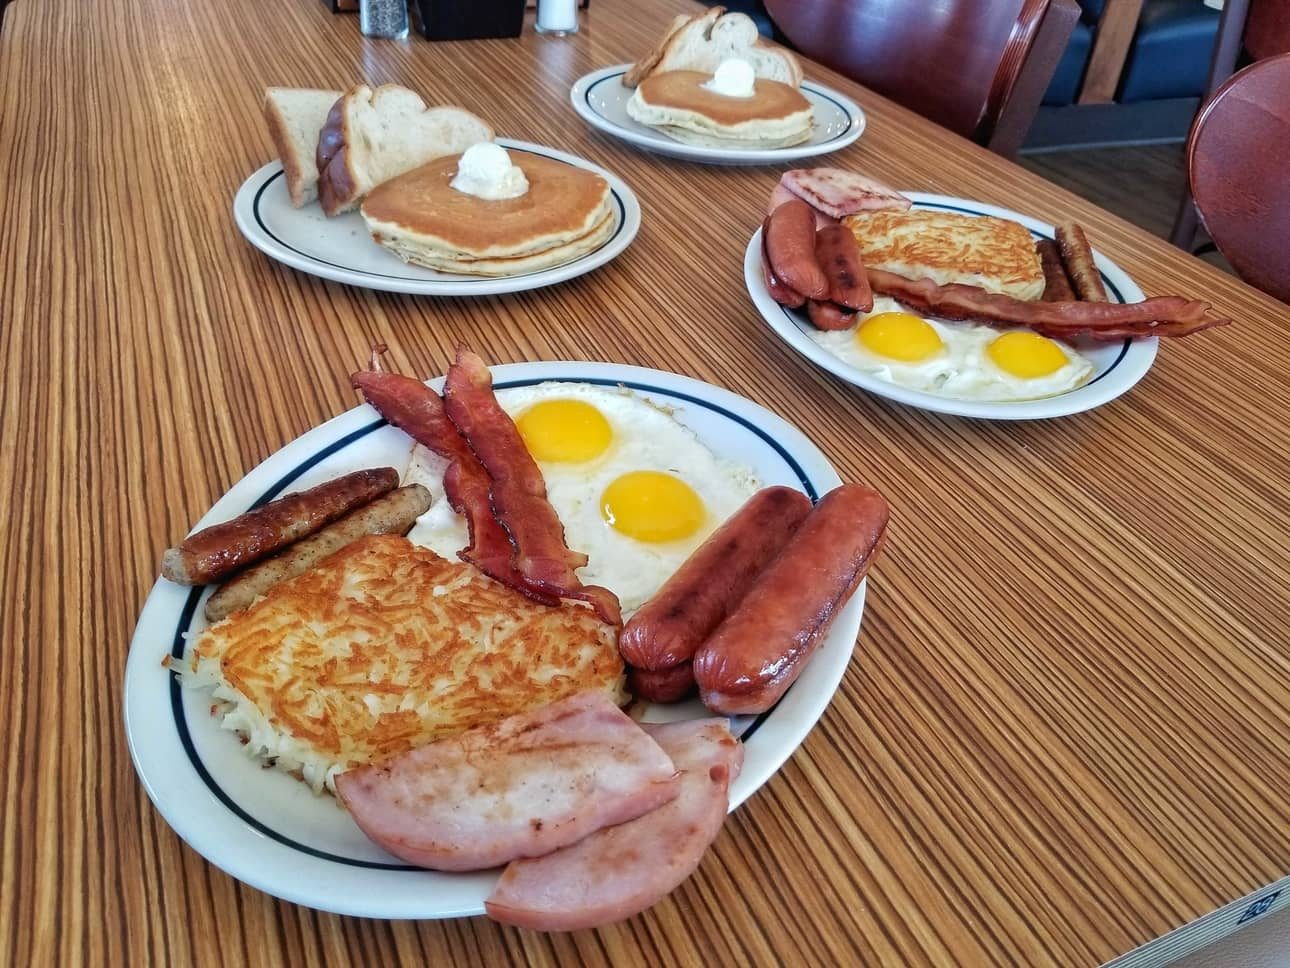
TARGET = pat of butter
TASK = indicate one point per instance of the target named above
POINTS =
(485, 171)
(734, 78)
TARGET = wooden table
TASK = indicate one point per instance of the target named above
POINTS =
(1064, 730)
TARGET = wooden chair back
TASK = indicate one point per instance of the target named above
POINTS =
(1267, 31)
(1237, 171)
(978, 67)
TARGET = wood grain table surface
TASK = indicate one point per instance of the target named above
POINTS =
(1063, 732)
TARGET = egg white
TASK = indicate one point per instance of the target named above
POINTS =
(961, 369)
(645, 437)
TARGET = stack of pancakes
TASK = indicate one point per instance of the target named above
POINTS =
(421, 218)
(677, 103)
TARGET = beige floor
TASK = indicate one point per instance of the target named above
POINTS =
(1143, 185)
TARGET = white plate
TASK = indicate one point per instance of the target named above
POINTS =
(1116, 366)
(601, 100)
(267, 829)
(341, 248)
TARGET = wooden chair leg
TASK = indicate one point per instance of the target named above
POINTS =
(1185, 223)
(1227, 45)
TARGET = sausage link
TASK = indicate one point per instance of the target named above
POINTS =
(1077, 256)
(393, 513)
(664, 685)
(838, 254)
(827, 316)
(1057, 285)
(668, 628)
(779, 292)
(216, 552)
(789, 234)
(758, 652)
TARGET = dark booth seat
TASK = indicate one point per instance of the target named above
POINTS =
(1169, 56)
(1171, 51)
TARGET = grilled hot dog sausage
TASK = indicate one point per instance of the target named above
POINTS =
(789, 235)
(1057, 285)
(218, 551)
(393, 513)
(827, 316)
(779, 292)
(664, 685)
(838, 254)
(668, 628)
(757, 653)
(1077, 256)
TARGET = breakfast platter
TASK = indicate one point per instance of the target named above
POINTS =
(340, 248)
(269, 829)
(479, 645)
(601, 99)
(1113, 368)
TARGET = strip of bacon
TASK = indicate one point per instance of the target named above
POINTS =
(418, 411)
(1158, 316)
(518, 490)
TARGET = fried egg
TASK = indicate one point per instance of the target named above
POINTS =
(966, 361)
(635, 489)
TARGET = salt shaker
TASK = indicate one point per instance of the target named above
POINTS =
(557, 17)
(383, 18)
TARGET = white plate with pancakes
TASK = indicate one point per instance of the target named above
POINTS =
(601, 100)
(267, 828)
(341, 248)
(1113, 368)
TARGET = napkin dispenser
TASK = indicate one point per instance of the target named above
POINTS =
(470, 19)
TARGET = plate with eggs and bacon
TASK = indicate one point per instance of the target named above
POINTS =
(473, 646)
(953, 305)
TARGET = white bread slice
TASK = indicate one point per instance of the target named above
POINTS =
(295, 116)
(707, 40)
(373, 135)
(642, 68)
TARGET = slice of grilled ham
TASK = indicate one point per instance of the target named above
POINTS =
(521, 787)
(620, 871)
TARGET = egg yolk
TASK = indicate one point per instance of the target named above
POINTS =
(565, 431)
(899, 336)
(1026, 355)
(652, 506)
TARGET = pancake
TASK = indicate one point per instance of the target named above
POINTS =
(465, 265)
(996, 254)
(422, 219)
(385, 646)
(677, 101)
(716, 141)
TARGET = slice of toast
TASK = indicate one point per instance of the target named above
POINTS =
(642, 68)
(705, 41)
(295, 116)
(371, 136)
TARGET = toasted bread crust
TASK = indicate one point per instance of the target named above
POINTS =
(336, 183)
(643, 67)
(282, 145)
(345, 169)
(678, 35)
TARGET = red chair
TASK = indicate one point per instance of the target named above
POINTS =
(1237, 171)
(978, 67)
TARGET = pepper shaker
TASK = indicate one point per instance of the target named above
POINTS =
(383, 18)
